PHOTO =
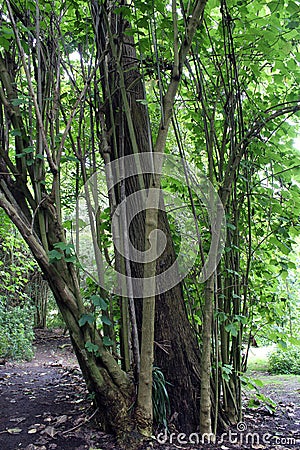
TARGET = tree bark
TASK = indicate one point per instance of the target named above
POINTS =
(176, 349)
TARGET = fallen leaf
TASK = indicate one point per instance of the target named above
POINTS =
(32, 431)
(61, 419)
(14, 430)
(50, 431)
(17, 419)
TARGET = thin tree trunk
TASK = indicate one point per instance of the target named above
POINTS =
(205, 397)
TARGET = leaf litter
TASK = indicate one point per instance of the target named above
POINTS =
(44, 405)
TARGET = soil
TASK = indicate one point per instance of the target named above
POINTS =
(44, 405)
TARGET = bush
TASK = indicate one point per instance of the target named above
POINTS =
(16, 331)
(285, 361)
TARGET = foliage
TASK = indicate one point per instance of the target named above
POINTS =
(257, 398)
(285, 361)
(16, 330)
(160, 397)
(232, 118)
(54, 318)
(16, 307)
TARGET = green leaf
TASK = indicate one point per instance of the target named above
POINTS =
(142, 101)
(232, 328)
(54, 255)
(17, 101)
(292, 7)
(99, 301)
(28, 150)
(68, 248)
(221, 316)
(258, 382)
(86, 318)
(282, 344)
(92, 348)
(106, 320)
(70, 259)
(294, 341)
(107, 341)
(231, 226)
(5, 43)
(226, 371)
(69, 158)
(240, 318)
(81, 223)
(16, 133)
(67, 224)
(63, 245)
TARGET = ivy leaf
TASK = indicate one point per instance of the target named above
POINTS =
(70, 259)
(106, 320)
(92, 348)
(54, 255)
(107, 341)
(86, 318)
(99, 301)
(65, 247)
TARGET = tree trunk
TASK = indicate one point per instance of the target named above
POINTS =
(111, 387)
(176, 349)
(205, 405)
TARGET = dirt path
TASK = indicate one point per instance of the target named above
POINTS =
(44, 405)
(280, 430)
(42, 401)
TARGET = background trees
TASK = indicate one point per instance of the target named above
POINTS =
(83, 86)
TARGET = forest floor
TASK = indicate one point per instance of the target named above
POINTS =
(44, 405)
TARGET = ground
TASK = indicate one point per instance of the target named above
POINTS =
(44, 405)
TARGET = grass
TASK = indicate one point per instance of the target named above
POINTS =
(258, 362)
(279, 379)
(258, 359)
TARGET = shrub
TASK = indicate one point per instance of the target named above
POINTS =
(16, 331)
(285, 361)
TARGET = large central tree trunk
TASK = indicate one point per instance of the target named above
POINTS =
(176, 348)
